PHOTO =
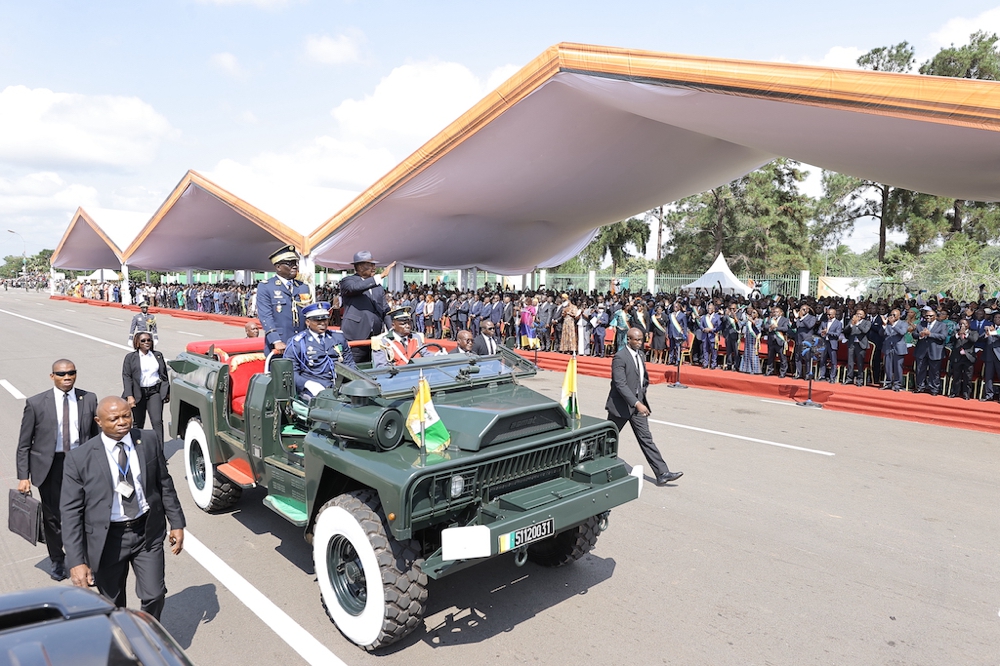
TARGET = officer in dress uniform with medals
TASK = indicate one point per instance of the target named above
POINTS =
(316, 351)
(395, 347)
(281, 299)
(143, 322)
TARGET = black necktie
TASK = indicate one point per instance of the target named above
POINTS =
(65, 424)
(130, 504)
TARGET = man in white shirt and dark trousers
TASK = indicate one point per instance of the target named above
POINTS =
(627, 403)
(117, 496)
(54, 422)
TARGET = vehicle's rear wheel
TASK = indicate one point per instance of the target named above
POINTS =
(210, 490)
(370, 584)
(567, 546)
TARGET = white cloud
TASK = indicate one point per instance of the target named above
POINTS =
(337, 50)
(248, 118)
(305, 186)
(44, 191)
(413, 103)
(45, 129)
(228, 64)
(843, 57)
(957, 30)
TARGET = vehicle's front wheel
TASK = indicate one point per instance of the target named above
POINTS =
(567, 546)
(210, 490)
(370, 584)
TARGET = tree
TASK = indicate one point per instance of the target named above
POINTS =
(759, 221)
(898, 58)
(979, 59)
(614, 240)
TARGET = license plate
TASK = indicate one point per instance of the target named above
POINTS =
(526, 535)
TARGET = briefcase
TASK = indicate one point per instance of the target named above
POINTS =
(24, 516)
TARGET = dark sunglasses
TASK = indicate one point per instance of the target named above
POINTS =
(289, 262)
(141, 340)
(63, 373)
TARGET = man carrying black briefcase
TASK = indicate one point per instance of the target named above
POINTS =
(54, 422)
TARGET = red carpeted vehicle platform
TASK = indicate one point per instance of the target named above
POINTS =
(923, 408)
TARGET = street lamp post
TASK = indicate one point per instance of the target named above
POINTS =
(24, 258)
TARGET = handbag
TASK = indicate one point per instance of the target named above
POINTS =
(24, 516)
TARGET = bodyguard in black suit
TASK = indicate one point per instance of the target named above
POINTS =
(963, 358)
(485, 344)
(54, 422)
(366, 313)
(117, 497)
(145, 385)
(627, 403)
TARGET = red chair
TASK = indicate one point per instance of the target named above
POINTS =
(241, 368)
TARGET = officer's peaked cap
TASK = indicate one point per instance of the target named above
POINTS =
(284, 253)
(319, 309)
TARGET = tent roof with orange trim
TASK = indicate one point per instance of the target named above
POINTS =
(205, 227)
(584, 136)
(90, 239)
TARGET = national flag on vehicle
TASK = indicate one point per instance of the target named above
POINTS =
(568, 399)
(424, 418)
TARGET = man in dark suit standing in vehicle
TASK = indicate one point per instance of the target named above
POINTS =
(117, 497)
(366, 313)
(54, 422)
(627, 403)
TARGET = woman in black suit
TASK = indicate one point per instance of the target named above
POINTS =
(144, 375)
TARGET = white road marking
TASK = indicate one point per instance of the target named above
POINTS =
(68, 310)
(66, 330)
(115, 319)
(779, 402)
(284, 626)
(197, 335)
(748, 439)
(10, 389)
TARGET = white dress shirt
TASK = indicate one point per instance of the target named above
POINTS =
(111, 450)
(150, 369)
(74, 419)
(638, 365)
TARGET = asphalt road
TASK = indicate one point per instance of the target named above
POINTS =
(884, 552)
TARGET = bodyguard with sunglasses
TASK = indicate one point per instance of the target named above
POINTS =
(54, 422)
(146, 389)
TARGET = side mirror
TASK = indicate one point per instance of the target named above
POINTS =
(283, 378)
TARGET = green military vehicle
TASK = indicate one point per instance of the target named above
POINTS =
(383, 514)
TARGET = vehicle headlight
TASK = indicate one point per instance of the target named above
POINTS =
(584, 450)
(456, 486)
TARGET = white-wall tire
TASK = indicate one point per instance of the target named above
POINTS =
(370, 584)
(210, 490)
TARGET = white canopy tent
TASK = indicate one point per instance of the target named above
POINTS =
(718, 276)
(101, 275)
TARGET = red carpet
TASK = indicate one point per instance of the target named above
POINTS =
(180, 314)
(922, 408)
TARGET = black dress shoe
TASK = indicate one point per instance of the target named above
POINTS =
(58, 571)
(668, 477)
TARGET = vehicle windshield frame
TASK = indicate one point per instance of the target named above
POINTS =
(447, 371)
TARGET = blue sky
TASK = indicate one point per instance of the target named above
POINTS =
(107, 104)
